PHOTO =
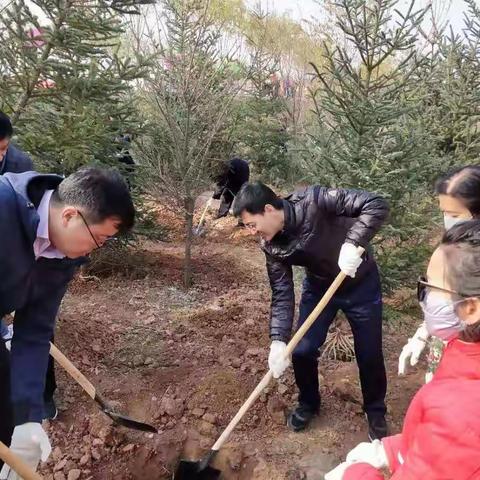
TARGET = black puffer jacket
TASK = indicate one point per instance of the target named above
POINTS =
(318, 220)
(236, 172)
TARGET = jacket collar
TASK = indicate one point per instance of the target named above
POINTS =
(290, 218)
(29, 188)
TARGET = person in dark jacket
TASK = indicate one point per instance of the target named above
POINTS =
(11, 158)
(14, 160)
(47, 225)
(320, 229)
(234, 174)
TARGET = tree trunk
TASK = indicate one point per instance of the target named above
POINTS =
(187, 266)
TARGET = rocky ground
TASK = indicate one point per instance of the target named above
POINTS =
(186, 360)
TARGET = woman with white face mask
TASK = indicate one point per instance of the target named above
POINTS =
(459, 201)
(439, 439)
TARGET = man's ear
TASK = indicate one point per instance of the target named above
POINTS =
(67, 214)
(268, 208)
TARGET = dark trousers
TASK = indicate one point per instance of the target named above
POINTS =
(6, 414)
(225, 204)
(362, 305)
(50, 381)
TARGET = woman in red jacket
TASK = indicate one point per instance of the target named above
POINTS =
(441, 432)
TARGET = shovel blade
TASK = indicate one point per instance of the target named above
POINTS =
(130, 422)
(187, 470)
(199, 231)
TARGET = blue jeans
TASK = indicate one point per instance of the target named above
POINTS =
(362, 305)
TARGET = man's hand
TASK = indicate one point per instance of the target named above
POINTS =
(277, 360)
(412, 350)
(349, 259)
(31, 444)
(369, 452)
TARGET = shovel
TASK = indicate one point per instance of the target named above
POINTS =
(17, 464)
(78, 376)
(198, 230)
(200, 470)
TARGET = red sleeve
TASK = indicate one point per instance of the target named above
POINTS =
(362, 471)
(440, 453)
(392, 448)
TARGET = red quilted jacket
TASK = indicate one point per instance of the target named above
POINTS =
(441, 433)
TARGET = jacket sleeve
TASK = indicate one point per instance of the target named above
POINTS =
(369, 210)
(283, 299)
(33, 329)
(18, 161)
(362, 471)
(26, 163)
(217, 193)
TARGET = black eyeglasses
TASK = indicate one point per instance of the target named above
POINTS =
(88, 228)
(422, 285)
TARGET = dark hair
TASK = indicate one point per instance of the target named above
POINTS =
(464, 184)
(6, 129)
(253, 197)
(102, 193)
(461, 246)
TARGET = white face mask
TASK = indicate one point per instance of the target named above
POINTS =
(449, 221)
(440, 317)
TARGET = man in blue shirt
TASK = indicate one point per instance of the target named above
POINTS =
(47, 225)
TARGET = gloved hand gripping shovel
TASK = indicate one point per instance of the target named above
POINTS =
(200, 470)
(92, 392)
(17, 464)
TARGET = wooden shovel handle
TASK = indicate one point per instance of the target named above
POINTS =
(202, 218)
(72, 370)
(17, 464)
(290, 347)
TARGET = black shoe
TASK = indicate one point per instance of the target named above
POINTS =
(377, 427)
(50, 410)
(300, 418)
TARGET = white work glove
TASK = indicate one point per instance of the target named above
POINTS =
(428, 377)
(369, 452)
(277, 360)
(338, 472)
(413, 349)
(349, 259)
(31, 444)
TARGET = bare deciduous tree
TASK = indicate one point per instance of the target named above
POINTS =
(187, 100)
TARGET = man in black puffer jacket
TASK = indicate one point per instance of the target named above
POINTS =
(320, 229)
(233, 175)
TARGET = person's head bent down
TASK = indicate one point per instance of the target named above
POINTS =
(459, 195)
(450, 294)
(260, 209)
(88, 208)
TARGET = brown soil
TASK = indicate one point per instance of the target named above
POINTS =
(185, 361)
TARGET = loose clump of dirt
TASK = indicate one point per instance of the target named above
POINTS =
(185, 361)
